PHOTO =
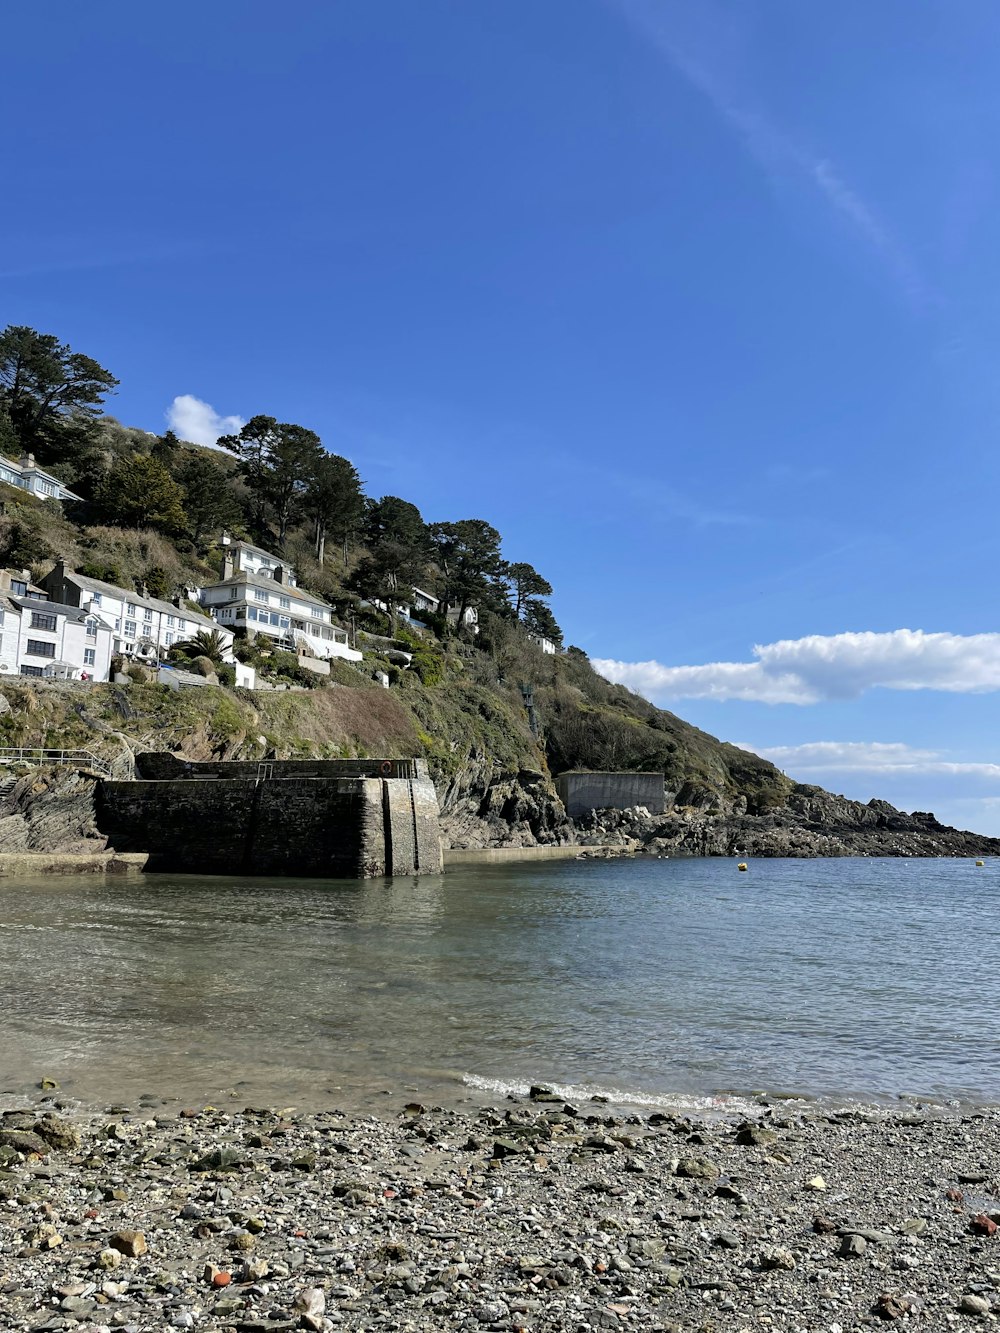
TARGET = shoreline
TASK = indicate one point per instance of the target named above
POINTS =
(530, 1214)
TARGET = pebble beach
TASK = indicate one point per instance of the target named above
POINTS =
(531, 1214)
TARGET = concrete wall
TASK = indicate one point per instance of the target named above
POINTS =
(580, 792)
(330, 827)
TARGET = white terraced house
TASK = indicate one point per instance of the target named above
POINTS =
(142, 627)
(39, 637)
(28, 476)
(258, 593)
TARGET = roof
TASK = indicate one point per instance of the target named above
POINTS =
(167, 608)
(272, 585)
(259, 550)
(51, 608)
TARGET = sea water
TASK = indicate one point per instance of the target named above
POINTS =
(671, 982)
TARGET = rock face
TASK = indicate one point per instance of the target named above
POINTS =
(51, 810)
(812, 822)
(486, 806)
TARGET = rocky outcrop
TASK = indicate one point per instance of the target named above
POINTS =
(486, 806)
(50, 810)
(812, 822)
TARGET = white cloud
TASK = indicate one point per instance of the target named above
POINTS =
(885, 758)
(827, 667)
(199, 422)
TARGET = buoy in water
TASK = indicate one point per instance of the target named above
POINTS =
(742, 866)
(980, 863)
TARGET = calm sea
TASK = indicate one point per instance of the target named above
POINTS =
(659, 982)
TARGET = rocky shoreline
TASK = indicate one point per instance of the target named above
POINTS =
(533, 1214)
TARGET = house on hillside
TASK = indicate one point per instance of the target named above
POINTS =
(43, 638)
(28, 476)
(259, 593)
(540, 641)
(142, 627)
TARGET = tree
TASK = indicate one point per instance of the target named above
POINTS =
(524, 581)
(165, 449)
(206, 643)
(137, 491)
(208, 495)
(277, 459)
(398, 550)
(468, 553)
(44, 385)
(334, 501)
(538, 619)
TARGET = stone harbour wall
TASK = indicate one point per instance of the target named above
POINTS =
(341, 828)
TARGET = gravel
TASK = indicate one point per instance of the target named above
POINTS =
(531, 1215)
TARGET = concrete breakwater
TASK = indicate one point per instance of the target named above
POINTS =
(332, 818)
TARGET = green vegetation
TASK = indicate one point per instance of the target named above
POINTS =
(153, 510)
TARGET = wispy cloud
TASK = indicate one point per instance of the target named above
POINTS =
(883, 758)
(197, 421)
(820, 667)
(777, 150)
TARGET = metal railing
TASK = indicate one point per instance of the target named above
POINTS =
(14, 754)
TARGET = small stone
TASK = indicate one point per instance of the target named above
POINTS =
(892, 1307)
(755, 1136)
(852, 1246)
(818, 1184)
(109, 1258)
(976, 1305)
(776, 1257)
(310, 1301)
(130, 1243)
(697, 1168)
(981, 1225)
(243, 1242)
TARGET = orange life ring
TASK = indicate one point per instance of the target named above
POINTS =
(385, 768)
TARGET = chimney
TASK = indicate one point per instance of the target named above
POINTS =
(228, 564)
(27, 460)
(280, 574)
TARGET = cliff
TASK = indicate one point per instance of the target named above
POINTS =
(492, 776)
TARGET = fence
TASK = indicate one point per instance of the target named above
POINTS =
(13, 754)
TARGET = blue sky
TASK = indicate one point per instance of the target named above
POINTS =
(696, 301)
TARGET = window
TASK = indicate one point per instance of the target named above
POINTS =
(31, 671)
(19, 587)
(130, 629)
(285, 621)
(95, 599)
(285, 602)
(147, 613)
(170, 637)
(317, 613)
(130, 608)
(170, 620)
(46, 487)
(39, 648)
(260, 595)
(39, 620)
(91, 628)
(90, 657)
(181, 623)
(118, 622)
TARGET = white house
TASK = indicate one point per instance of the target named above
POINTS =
(45, 638)
(540, 641)
(142, 627)
(258, 593)
(28, 476)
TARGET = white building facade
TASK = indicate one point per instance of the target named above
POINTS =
(142, 627)
(49, 640)
(258, 593)
(28, 476)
